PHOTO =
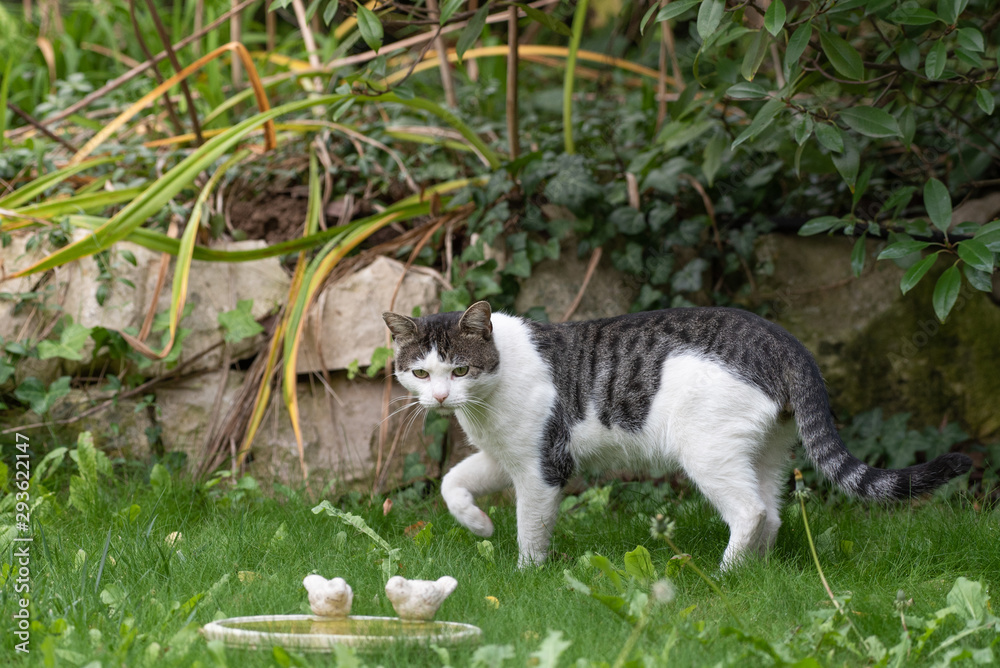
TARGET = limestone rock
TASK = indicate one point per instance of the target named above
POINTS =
(553, 285)
(345, 322)
(120, 430)
(879, 348)
(185, 411)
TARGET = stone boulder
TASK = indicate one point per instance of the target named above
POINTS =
(879, 348)
(345, 321)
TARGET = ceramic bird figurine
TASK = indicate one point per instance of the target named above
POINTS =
(328, 598)
(418, 599)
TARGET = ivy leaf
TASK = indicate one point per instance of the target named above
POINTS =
(829, 136)
(976, 254)
(370, 27)
(34, 393)
(709, 17)
(946, 292)
(774, 17)
(844, 57)
(936, 59)
(472, 31)
(858, 256)
(985, 100)
(239, 323)
(71, 342)
(937, 201)
(871, 121)
(902, 249)
(916, 272)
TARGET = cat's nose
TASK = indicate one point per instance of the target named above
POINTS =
(440, 396)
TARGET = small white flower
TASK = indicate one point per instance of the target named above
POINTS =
(173, 538)
(663, 591)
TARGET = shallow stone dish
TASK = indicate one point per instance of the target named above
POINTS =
(309, 633)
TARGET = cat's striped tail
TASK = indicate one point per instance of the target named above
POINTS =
(824, 447)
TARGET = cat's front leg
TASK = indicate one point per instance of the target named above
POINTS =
(476, 475)
(537, 509)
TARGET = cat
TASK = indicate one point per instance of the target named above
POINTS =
(719, 392)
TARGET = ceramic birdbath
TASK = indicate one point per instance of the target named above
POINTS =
(415, 601)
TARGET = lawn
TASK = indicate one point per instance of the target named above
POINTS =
(109, 587)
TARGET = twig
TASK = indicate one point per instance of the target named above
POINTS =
(35, 123)
(513, 136)
(445, 68)
(709, 208)
(171, 112)
(165, 40)
(139, 69)
(595, 258)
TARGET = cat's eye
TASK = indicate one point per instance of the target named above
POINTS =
(460, 370)
(420, 373)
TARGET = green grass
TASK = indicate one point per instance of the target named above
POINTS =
(150, 599)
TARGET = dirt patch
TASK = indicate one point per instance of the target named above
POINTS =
(273, 217)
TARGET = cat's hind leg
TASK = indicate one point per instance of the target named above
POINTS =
(772, 471)
(729, 482)
(476, 475)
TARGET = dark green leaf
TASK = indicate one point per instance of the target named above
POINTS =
(907, 125)
(985, 100)
(774, 17)
(989, 235)
(803, 129)
(746, 90)
(937, 201)
(976, 254)
(645, 17)
(950, 10)
(709, 17)
(946, 292)
(472, 31)
(754, 55)
(971, 39)
(330, 12)
(898, 200)
(763, 118)
(848, 163)
(936, 59)
(902, 249)
(449, 8)
(547, 20)
(911, 15)
(830, 137)
(980, 280)
(916, 272)
(712, 155)
(821, 224)
(858, 256)
(675, 9)
(969, 58)
(871, 121)
(797, 44)
(370, 28)
(909, 54)
(844, 57)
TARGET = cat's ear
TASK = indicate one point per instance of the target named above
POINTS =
(400, 326)
(476, 320)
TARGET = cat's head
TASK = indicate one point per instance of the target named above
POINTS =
(446, 360)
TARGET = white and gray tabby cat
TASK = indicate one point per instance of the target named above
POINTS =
(710, 390)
